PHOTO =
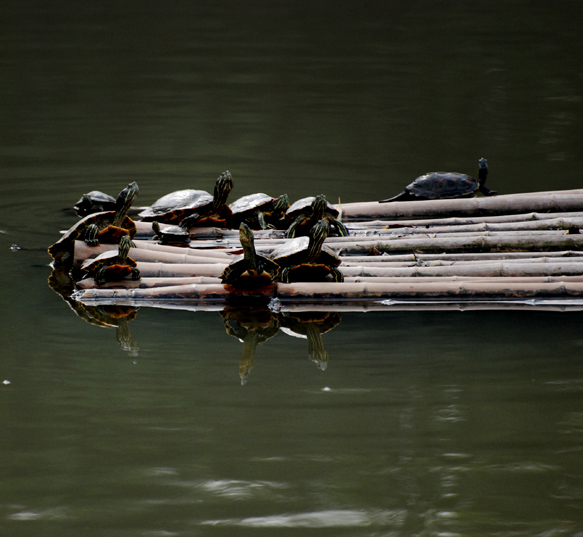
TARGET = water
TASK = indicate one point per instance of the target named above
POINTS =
(420, 422)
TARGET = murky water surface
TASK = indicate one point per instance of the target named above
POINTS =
(410, 422)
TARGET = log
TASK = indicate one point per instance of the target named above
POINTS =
(177, 270)
(331, 292)
(556, 201)
(148, 282)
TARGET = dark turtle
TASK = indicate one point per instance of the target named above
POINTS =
(259, 211)
(446, 185)
(252, 326)
(307, 259)
(193, 205)
(307, 211)
(171, 235)
(94, 202)
(249, 269)
(112, 265)
(105, 227)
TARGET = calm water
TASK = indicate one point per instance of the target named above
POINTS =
(420, 422)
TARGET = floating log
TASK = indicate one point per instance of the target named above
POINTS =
(327, 292)
(555, 201)
(149, 282)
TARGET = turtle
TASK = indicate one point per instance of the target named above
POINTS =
(104, 227)
(307, 211)
(112, 265)
(194, 205)
(446, 185)
(171, 235)
(307, 259)
(259, 210)
(249, 269)
(94, 202)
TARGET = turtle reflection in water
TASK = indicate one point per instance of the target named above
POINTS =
(311, 325)
(446, 185)
(106, 316)
(252, 326)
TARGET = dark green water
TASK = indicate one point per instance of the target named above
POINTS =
(428, 423)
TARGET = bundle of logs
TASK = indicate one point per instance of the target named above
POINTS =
(499, 248)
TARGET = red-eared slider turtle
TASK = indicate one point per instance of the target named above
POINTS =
(94, 202)
(446, 185)
(307, 211)
(307, 259)
(171, 235)
(193, 205)
(249, 269)
(105, 227)
(113, 265)
(259, 211)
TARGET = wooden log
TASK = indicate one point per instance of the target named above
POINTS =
(143, 253)
(330, 292)
(177, 270)
(556, 201)
(148, 282)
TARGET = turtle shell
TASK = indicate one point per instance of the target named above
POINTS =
(304, 205)
(250, 203)
(172, 235)
(109, 258)
(312, 272)
(173, 207)
(294, 251)
(238, 275)
(94, 202)
(443, 185)
(62, 250)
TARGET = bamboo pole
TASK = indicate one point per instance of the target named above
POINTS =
(556, 201)
(148, 282)
(328, 292)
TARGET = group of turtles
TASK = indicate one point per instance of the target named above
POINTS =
(304, 258)
(307, 223)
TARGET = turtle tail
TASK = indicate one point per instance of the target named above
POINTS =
(403, 196)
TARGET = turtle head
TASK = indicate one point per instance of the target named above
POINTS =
(482, 170)
(319, 205)
(156, 227)
(126, 197)
(318, 235)
(246, 236)
(223, 187)
(125, 243)
(281, 204)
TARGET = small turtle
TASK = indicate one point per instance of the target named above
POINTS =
(307, 211)
(249, 269)
(446, 185)
(259, 211)
(193, 205)
(94, 202)
(105, 227)
(171, 235)
(112, 265)
(307, 259)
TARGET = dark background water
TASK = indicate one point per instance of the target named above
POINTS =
(423, 423)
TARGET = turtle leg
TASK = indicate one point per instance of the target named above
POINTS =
(337, 275)
(262, 222)
(100, 276)
(340, 227)
(135, 274)
(91, 235)
(284, 275)
(189, 221)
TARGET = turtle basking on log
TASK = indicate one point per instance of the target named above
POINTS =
(306, 212)
(94, 202)
(249, 269)
(307, 259)
(446, 185)
(170, 235)
(259, 211)
(192, 207)
(113, 265)
(104, 227)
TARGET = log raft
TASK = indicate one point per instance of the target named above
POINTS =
(508, 248)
